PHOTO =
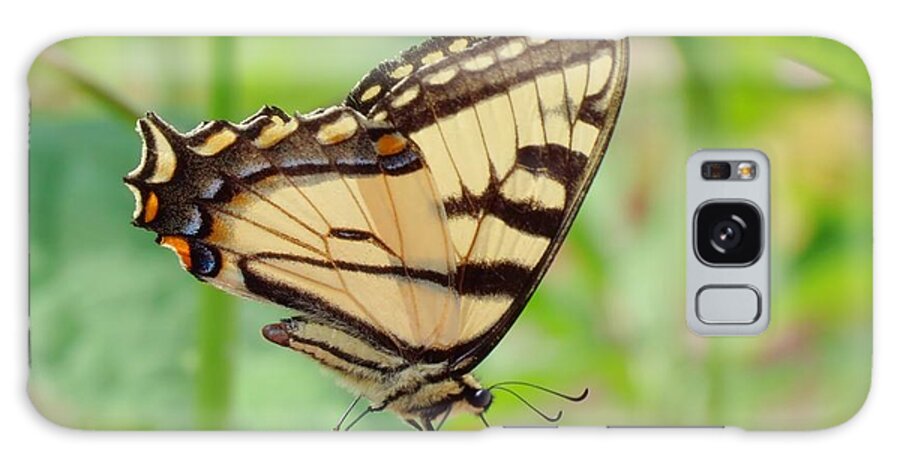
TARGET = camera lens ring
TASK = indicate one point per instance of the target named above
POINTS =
(747, 238)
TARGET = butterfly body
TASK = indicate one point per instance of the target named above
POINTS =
(412, 390)
(406, 228)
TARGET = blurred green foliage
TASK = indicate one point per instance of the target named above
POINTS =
(121, 338)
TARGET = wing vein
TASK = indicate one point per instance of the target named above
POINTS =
(569, 118)
(277, 233)
(414, 320)
(265, 199)
(293, 184)
(440, 129)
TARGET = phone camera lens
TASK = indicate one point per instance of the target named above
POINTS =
(728, 233)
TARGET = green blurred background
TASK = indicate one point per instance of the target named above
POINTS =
(122, 338)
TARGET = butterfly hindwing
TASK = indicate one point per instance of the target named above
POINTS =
(328, 214)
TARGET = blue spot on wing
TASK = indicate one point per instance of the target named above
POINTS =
(205, 260)
(401, 163)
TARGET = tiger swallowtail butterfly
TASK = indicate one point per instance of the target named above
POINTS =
(407, 227)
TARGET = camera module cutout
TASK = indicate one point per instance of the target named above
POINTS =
(728, 233)
(728, 242)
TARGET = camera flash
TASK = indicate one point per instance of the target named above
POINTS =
(746, 170)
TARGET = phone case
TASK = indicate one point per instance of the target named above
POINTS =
(463, 232)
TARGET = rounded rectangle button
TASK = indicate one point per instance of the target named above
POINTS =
(728, 304)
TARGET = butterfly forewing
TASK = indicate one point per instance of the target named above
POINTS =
(379, 82)
(512, 130)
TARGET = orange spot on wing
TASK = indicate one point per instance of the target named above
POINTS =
(219, 232)
(180, 246)
(151, 208)
(390, 144)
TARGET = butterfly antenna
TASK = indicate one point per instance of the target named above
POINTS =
(359, 417)
(337, 427)
(530, 406)
(574, 399)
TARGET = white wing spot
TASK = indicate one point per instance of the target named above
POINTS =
(140, 167)
(458, 45)
(479, 62)
(337, 131)
(371, 93)
(407, 96)
(215, 143)
(432, 57)
(275, 132)
(511, 50)
(165, 157)
(138, 201)
(442, 77)
(402, 71)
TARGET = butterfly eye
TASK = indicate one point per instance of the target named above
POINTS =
(480, 398)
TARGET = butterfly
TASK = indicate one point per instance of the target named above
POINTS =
(406, 227)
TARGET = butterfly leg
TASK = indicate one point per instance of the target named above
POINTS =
(444, 418)
(414, 424)
(426, 423)
(346, 413)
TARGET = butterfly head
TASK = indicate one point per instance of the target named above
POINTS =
(451, 397)
(462, 395)
(477, 399)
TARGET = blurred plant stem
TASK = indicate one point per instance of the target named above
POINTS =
(48, 235)
(58, 59)
(703, 119)
(216, 312)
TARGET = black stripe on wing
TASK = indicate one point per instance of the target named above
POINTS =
(529, 217)
(554, 161)
(483, 279)
(485, 78)
(469, 354)
(473, 278)
(317, 309)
